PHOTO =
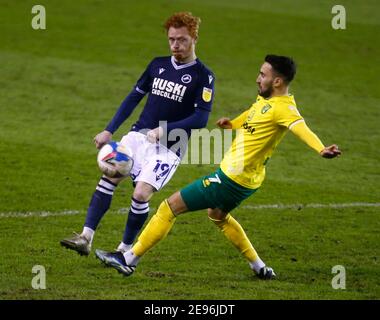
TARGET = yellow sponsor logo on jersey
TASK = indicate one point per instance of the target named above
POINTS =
(206, 94)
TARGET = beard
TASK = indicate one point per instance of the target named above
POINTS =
(184, 54)
(266, 93)
(178, 57)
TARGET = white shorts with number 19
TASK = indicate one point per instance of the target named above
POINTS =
(153, 163)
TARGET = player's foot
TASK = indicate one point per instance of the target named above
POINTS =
(115, 260)
(266, 273)
(77, 243)
(107, 256)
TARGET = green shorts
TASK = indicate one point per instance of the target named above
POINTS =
(215, 190)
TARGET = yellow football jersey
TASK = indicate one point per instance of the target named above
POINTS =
(261, 128)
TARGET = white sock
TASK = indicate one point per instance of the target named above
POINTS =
(257, 265)
(88, 233)
(124, 247)
(130, 258)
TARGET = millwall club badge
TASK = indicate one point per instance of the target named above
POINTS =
(186, 78)
(206, 94)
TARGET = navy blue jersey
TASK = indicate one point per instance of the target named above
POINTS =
(181, 94)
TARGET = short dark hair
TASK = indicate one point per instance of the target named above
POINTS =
(285, 66)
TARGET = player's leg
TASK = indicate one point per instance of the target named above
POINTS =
(158, 167)
(156, 230)
(137, 215)
(190, 198)
(99, 204)
(237, 236)
(102, 197)
(160, 224)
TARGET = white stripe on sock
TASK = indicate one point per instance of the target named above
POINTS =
(104, 190)
(140, 205)
(146, 210)
(106, 184)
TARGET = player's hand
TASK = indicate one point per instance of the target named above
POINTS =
(331, 152)
(224, 123)
(102, 138)
(155, 134)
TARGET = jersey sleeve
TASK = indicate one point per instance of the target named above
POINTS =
(303, 132)
(239, 120)
(125, 110)
(285, 115)
(204, 95)
(143, 85)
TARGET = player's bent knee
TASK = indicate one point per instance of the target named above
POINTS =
(216, 214)
(176, 203)
(143, 192)
(141, 196)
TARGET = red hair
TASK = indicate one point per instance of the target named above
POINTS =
(184, 19)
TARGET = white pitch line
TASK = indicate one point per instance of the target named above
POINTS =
(52, 214)
(38, 214)
(250, 207)
(311, 205)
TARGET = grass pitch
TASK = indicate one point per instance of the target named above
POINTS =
(61, 86)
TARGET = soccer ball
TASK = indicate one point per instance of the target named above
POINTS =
(115, 160)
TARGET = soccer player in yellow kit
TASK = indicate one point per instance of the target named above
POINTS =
(241, 172)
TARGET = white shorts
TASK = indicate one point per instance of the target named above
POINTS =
(153, 163)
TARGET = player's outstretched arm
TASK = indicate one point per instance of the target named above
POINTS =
(302, 131)
(330, 152)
